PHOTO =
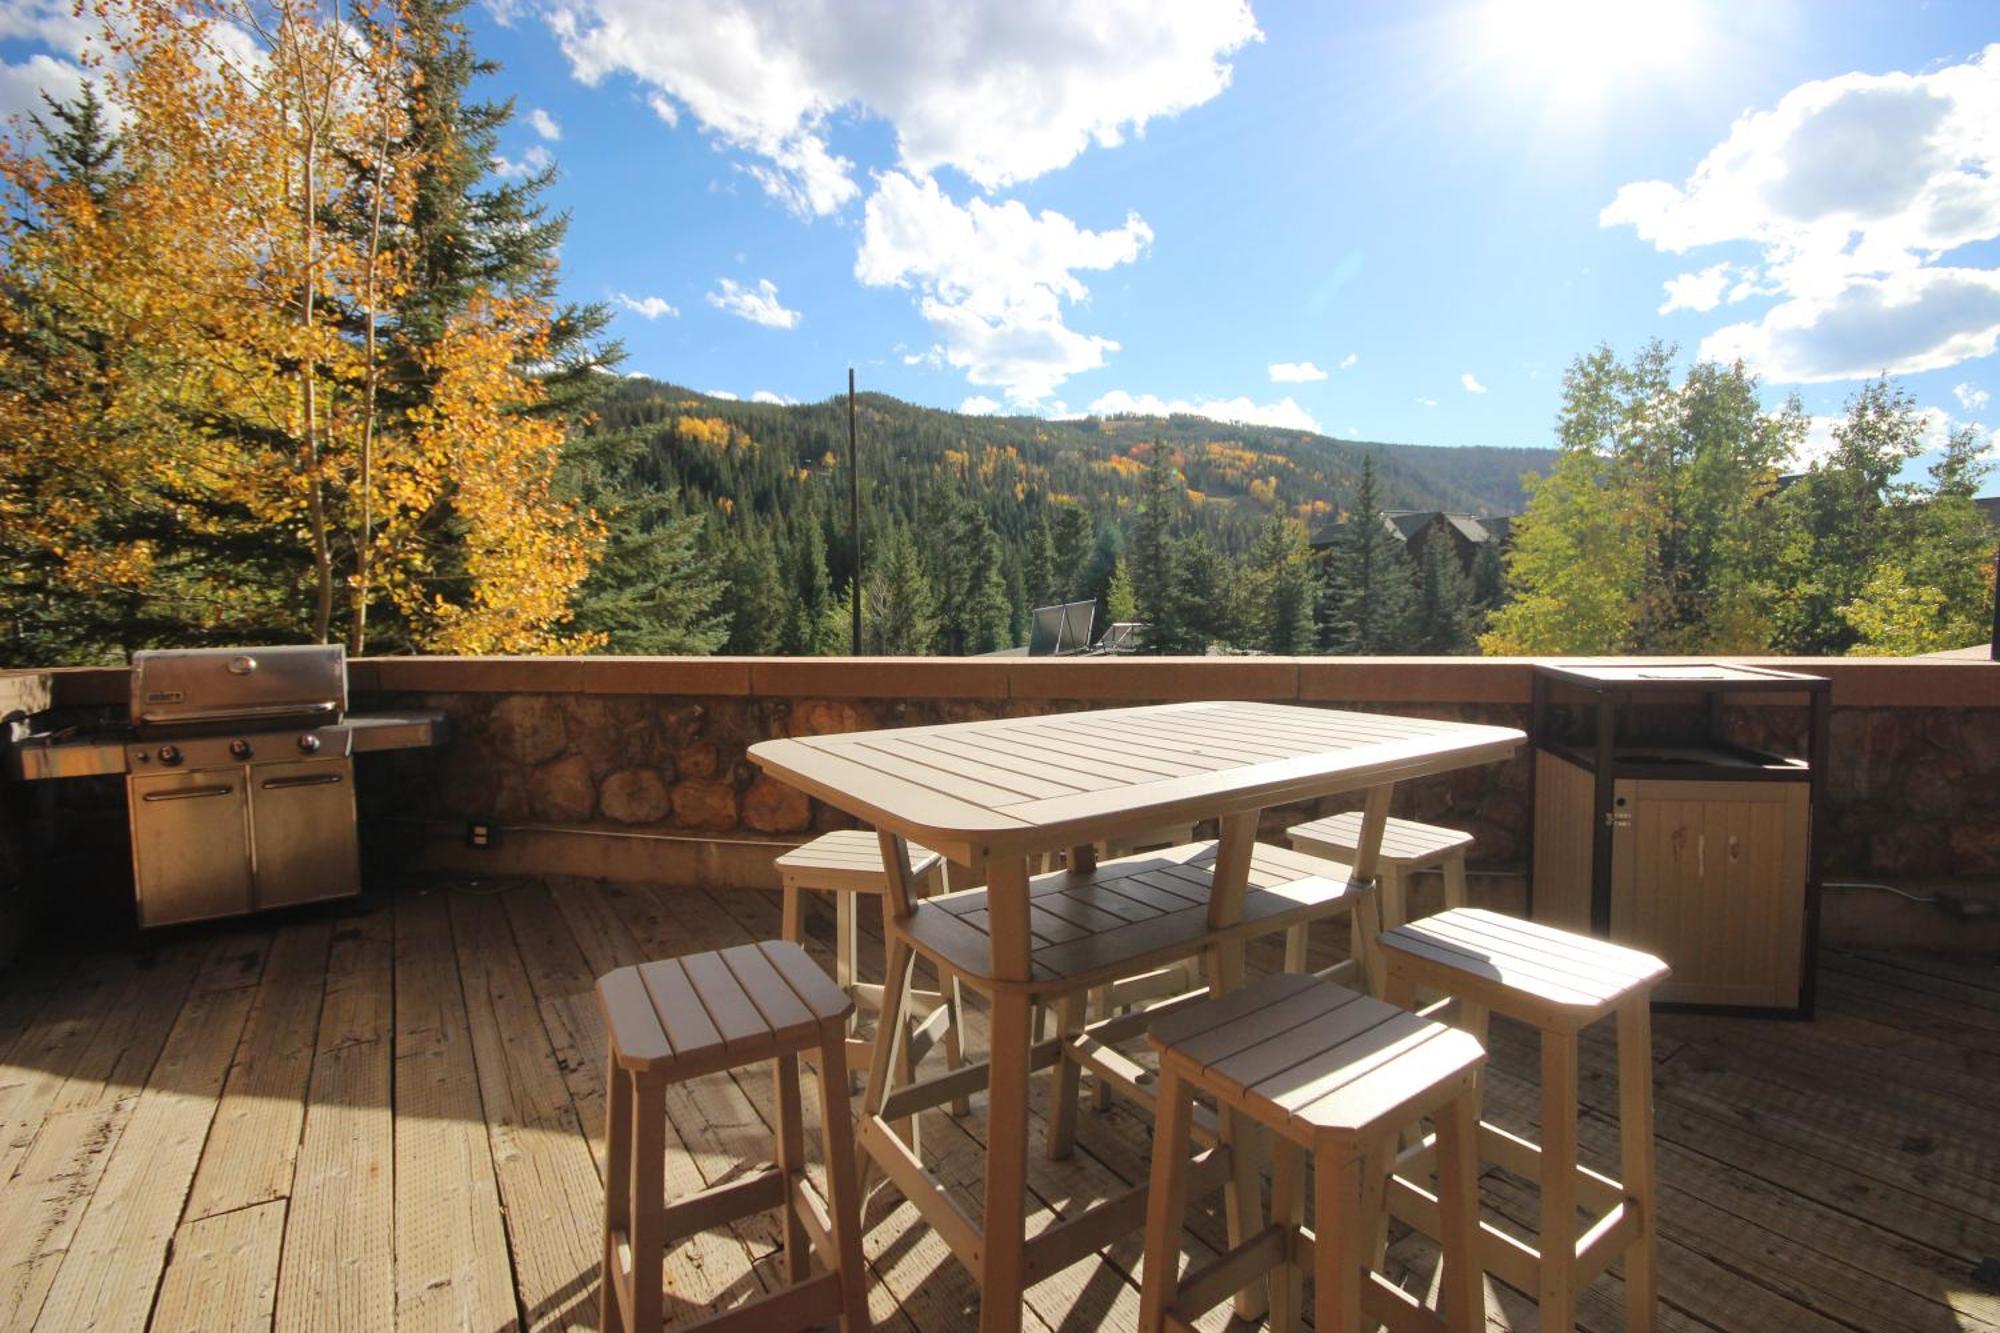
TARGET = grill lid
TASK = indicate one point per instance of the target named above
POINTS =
(185, 686)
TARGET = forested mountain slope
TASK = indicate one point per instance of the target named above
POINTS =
(756, 454)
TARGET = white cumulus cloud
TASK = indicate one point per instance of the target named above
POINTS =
(758, 304)
(769, 396)
(647, 307)
(979, 405)
(999, 90)
(1701, 291)
(1284, 413)
(1349, 361)
(1854, 189)
(1470, 383)
(723, 394)
(1971, 397)
(544, 124)
(1427, 402)
(993, 280)
(1295, 372)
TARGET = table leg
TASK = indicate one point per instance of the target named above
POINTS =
(1003, 1266)
(1242, 1202)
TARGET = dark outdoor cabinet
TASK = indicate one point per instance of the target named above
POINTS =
(1653, 830)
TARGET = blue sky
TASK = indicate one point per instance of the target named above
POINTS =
(1396, 221)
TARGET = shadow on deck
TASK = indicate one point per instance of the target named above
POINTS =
(388, 1114)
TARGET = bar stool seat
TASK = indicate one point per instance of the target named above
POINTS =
(1336, 1074)
(677, 1019)
(1407, 848)
(847, 862)
(1558, 982)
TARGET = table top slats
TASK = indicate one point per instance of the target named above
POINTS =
(1132, 747)
(1060, 752)
(1044, 766)
(939, 773)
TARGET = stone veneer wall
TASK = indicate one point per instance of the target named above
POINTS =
(657, 746)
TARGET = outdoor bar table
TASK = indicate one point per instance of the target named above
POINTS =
(998, 793)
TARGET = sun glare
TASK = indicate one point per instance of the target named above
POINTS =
(1580, 50)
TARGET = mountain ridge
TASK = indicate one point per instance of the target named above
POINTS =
(1238, 465)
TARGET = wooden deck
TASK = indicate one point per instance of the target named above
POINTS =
(388, 1115)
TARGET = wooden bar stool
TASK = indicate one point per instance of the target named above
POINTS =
(677, 1019)
(1407, 847)
(1333, 1073)
(846, 863)
(1559, 983)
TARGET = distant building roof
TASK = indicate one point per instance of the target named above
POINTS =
(1990, 506)
(1407, 523)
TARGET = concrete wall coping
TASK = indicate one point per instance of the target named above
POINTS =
(1858, 682)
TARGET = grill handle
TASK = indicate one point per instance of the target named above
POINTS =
(191, 793)
(303, 780)
(251, 714)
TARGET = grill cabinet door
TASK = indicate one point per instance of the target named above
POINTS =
(302, 826)
(190, 854)
(1711, 877)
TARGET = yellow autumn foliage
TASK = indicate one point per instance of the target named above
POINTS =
(210, 350)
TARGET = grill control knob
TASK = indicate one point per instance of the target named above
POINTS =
(308, 743)
(170, 754)
(240, 749)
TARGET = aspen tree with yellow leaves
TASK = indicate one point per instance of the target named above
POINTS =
(197, 340)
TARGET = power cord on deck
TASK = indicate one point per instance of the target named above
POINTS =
(1959, 907)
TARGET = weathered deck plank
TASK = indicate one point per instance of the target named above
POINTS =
(112, 1266)
(548, 1181)
(224, 1274)
(452, 1271)
(339, 1251)
(240, 1127)
(255, 1140)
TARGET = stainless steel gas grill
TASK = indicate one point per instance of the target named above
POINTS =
(239, 776)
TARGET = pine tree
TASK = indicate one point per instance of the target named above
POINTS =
(900, 614)
(470, 233)
(655, 591)
(1446, 621)
(1120, 605)
(1152, 563)
(1072, 538)
(1041, 585)
(809, 616)
(1368, 599)
(757, 604)
(1202, 605)
(1278, 589)
(971, 583)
